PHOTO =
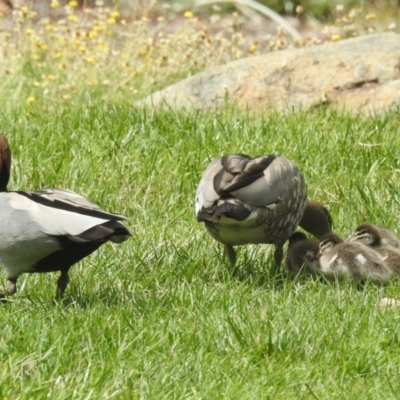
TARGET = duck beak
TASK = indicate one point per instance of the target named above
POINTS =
(319, 255)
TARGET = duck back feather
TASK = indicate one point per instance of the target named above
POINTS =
(245, 200)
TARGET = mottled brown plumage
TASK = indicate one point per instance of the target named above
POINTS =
(244, 200)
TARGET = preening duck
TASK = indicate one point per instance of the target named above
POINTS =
(49, 230)
(352, 259)
(244, 200)
(302, 254)
(378, 239)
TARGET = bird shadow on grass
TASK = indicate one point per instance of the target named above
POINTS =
(107, 298)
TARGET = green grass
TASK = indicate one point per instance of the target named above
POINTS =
(160, 316)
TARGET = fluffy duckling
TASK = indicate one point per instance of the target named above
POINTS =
(373, 237)
(244, 200)
(353, 259)
(316, 219)
(302, 254)
(49, 230)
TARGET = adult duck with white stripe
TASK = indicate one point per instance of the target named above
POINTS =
(49, 230)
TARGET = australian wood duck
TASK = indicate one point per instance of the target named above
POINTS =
(351, 259)
(244, 200)
(49, 229)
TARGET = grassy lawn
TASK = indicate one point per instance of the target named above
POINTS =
(160, 316)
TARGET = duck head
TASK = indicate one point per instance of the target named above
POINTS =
(5, 163)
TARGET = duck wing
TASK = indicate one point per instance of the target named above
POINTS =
(242, 182)
(69, 201)
(262, 182)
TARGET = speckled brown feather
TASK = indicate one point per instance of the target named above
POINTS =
(246, 200)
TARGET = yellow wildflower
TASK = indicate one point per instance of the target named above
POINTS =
(111, 20)
(102, 46)
(335, 37)
(73, 18)
(73, 3)
(30, 99)
(115, 14)
(100, 27)
(54, 4)
(29, 31)
(253, 48)
(188, 14)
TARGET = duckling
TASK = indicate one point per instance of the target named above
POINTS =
(302, 254)
(388, 237)
(371, 236)
(244, 200)
(316, 219)
(49, 229)
(353, 259)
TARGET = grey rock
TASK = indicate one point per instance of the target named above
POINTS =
(359, 74)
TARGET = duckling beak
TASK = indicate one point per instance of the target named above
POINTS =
(319, 255)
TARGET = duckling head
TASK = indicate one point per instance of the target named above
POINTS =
(296, 238)
(316, 219)
(367, 234)
(327, 243)
(302, 254)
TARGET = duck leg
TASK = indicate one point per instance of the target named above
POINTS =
(278, 257)
(62, 284)
(231, 254)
